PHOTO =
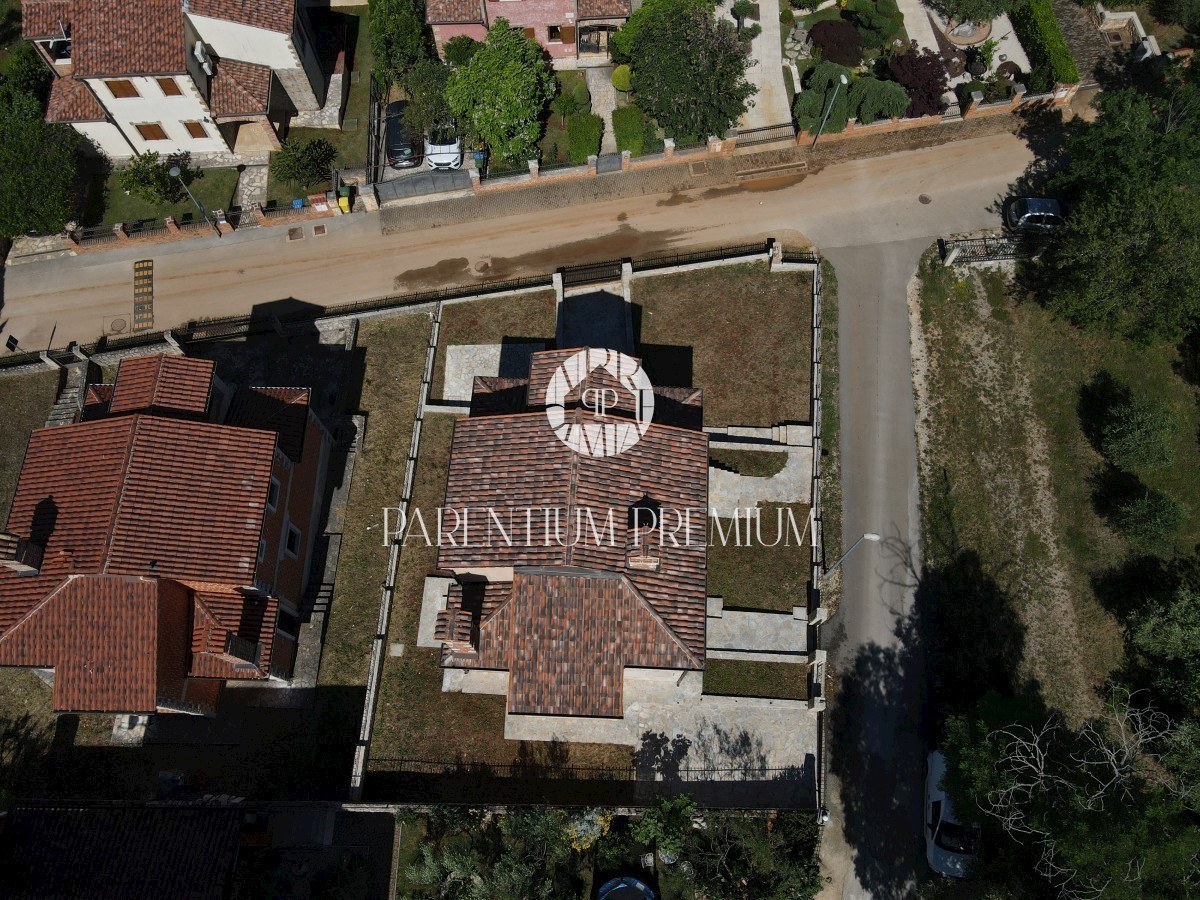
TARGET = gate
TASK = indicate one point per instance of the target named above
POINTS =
(591, 273)
(768, 134)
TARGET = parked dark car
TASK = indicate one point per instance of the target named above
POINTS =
(404, 149)
(1034, 214)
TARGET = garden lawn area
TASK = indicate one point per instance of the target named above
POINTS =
(414, 718)
(1010, 476)
(740, 333)
(773, 579)
(25, 402)
(758, 463)
(107, 203)
(740, 678)
(394, 363)
(554, 141)
(531, 316)
(1169, 35)
(351, 145)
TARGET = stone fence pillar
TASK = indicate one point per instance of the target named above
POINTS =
(626, 160)
(668, 148)
(591, 164)
(119, 231)
(535, 169)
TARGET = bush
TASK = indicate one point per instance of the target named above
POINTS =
(924, 77)
(977, 10)
(872, 99)
(148, 177)
(622, 79)
(1140, 435)
(877, 22)
(1039, 34)
(1150, 520)
(584, 131)
(823, 82)
(787, 18)
(459, 49)
(304, 164)
(1181, 12)
(838, 41)
(629, 129)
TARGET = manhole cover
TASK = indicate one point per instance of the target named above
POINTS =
(926, 199)
(698, 168)
(318, 230)
(116, 326)
(295, 234)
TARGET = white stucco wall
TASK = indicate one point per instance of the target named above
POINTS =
(169, 112)
(231, 40)
(107, 137)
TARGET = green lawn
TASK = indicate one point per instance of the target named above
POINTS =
(739, 678)
(553, 144)
(1169, 35)
(740, 333)
(757, 576)
(25, 402)
(757, 463)
(350, 143)
(108, 203)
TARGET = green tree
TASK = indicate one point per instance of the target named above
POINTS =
(149, 177)
(666, 824)
(24, 71)
(502, 91)
(38, 163)
(1140, 434)
(979, 11)
(427, 110)
(304, 163)
(824, 81)
(620, 44)
(1181, 12)
(689, 69)
(459, 49)
(399, 37)
(1167, 635)
(872, 99)
(1150, 520)
(754, 856)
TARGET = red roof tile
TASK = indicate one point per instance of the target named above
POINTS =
(45, 18)
(162, 383)
(72, 101)
(282, 410)
(272, 15)
(239, 89)
(602, 9)
(450, 12)
(117, 37)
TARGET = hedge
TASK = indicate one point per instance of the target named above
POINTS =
(583, 136)
(629, 129)
(1039, 34)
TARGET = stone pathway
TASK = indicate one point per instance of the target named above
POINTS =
(1088, 46)
(252, 186)
(766, 72)
(917, 23)
(604, 101)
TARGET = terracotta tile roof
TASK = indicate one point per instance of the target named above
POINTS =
(515, 462)
(162, 383)
(239, 89)
(100, 634)
(120, 851)
(117, 37)
(45, 18)
(72, 101)
(282, 410)
(450, 12)
(602, 9)
(271, 15)
(95, 402)
(221, 611)
(492, 395)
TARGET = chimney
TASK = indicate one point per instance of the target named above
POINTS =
(20, 554)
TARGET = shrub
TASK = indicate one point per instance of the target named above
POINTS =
(460, 48)
(838, 41)
(1150, 520)
(977, 10)
(872, 99)
(924, 77)
(622, 78)
(823, 82)
(304, 164)
(1181, 12)
(584, 131)
(629, 129)
(564, 104)
(1140, 435)
(148, 177)
(787, 18)
(877, 22)
(1039, 34)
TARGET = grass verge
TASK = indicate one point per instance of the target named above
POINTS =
(750, 356)
(740, 678)
(25, 402)
(831, 435)
(759, 576)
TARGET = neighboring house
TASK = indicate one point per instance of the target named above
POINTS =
(567, 629)
(574, 32)
(201, 76)
(114, 851)
(160, 546)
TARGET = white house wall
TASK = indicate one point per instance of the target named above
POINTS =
(231, 40)
(106, 136)
(169, 112)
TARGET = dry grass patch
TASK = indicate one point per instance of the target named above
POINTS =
(741, 333)
(755, 463)
(740, 678)
(770, 578)
(394, 362)
(25, 402)
(532, 316)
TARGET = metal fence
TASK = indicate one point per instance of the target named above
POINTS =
(984, 249)
(667, 260)
(594, 273)
(95, 234)
(540, 771)
(768, 134)
(375, 131)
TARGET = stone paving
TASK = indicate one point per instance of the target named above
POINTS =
(917, 23)
(1088, 46)
(604, 101)
(766, 72)
(252, 186)
(465, 361)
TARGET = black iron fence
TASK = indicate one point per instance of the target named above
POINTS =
(95, 234)
(800, 256)
(768, 134)
(375, 129)
(984, 249)
(593, 273)
(667, 260)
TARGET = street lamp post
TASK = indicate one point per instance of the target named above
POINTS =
(174, 172)
(869, 536)
(842, 82)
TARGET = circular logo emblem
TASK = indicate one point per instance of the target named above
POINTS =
(622, 404)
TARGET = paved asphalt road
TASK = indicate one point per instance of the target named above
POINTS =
(871, 217)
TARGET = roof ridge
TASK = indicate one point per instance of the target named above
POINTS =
(572, 485)
(159, 362)
(29, 612)
(661, 621)
(136, 420)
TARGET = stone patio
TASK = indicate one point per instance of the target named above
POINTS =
(465, 361)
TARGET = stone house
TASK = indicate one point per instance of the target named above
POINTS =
(574, 33)
(159, 546)
(209, 77)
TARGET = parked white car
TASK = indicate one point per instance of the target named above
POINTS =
(443, 150)
(950, 845)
